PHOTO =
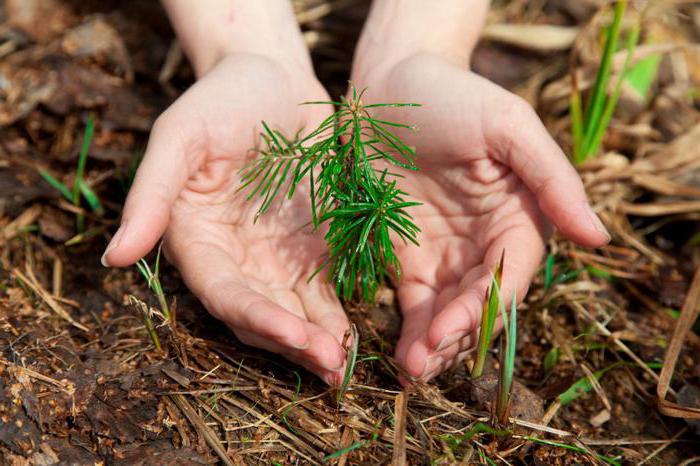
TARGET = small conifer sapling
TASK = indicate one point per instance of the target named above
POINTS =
(347, 162)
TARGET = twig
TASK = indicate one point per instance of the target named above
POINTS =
(664, 446)
(399, 453)
(689, 314)
(201, 427)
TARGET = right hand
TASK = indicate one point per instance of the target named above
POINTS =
(253, 277)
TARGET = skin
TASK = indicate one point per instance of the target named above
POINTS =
(491, 179)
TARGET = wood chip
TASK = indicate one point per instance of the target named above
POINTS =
(538, 37)
(600, 418)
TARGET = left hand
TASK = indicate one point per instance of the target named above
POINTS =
(491, 178)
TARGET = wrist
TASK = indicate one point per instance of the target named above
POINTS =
(210, 30)
(397, 29)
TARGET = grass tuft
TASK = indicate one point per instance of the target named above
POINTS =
(80, 188)
(507, 362)
(589, 124)
(488, 320)
(153, 280)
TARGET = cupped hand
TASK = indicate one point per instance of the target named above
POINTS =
(253, 277)
(491, 179)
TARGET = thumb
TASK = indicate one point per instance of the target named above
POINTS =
(538, 161)
(158, 182)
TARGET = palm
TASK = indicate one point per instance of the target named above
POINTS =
(475, 203)
(251, 276)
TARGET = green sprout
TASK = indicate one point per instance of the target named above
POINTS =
(146, 312)
(507, 362)
(488, 320)
(153, 280)
(589, 125)
(80, 188)
(346, 161)
(351, 342)
(549, 266)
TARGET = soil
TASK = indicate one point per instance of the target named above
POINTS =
(82, 383)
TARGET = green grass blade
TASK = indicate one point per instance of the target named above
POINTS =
(600, 130)
(577, 130)
(596, 102)
(62, 188)
(642, 75)
(549, 265)
(285, 412)
(82, 159)
(144, 269)
(488, 319)
(551, 359)
(91, 198)
(566, 446)
(156, 271)
(507, 364)
(581, 387)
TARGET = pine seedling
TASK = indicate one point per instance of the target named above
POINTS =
(488, 320)
(507, 362)
(346, 162)
(80, 188)
(153, 280)
(589, 124)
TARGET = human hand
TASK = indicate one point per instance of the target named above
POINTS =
(252, 277)
(491, 178)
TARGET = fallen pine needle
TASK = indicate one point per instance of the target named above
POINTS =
(31, 281)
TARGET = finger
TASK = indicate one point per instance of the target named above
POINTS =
(523, 246)
(275, 328)
(214, 277)
(322, 306)
(332, 377)
(539, 162)
(449, 356)
(461, 316)
(166, 166)
(417, 301)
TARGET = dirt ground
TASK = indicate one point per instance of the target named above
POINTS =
(81, 382)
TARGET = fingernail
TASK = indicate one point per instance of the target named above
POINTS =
(595, 221)
(301, 346)
(449, 340)
(328, 364)
(339, 366)
(433, 363)
(296, 345)
(113, 244)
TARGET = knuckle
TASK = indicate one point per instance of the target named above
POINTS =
(162, 122)
(519, 110)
